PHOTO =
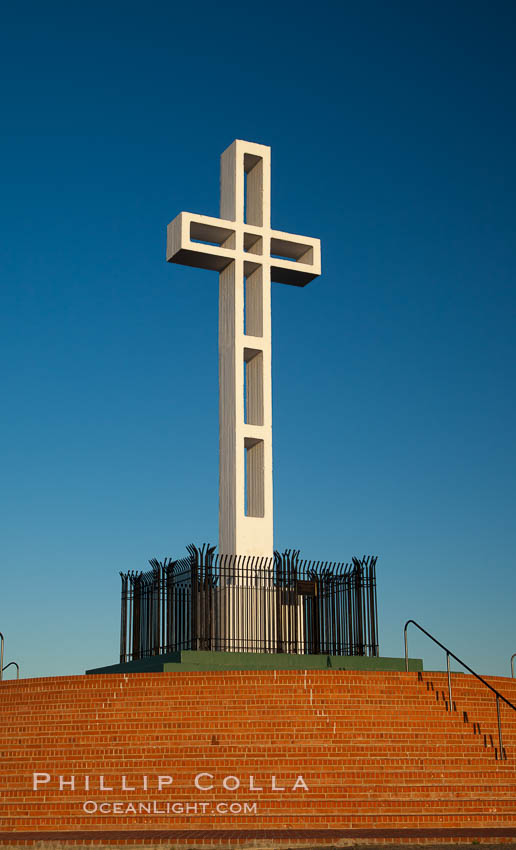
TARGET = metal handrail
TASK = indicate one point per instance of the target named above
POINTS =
(11, 663)
(512, 664)
(449, 654)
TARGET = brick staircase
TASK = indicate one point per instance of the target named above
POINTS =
(377, 751)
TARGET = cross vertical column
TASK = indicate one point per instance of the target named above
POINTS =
(248, 255)
(245, 401)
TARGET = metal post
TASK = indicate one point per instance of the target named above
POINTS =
(406, 649)
(512, 664)
(499, 727)
(123, 620)
(449, 680)
(1, 654)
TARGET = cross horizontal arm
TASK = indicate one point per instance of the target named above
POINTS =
(294, 259)
(212, 243)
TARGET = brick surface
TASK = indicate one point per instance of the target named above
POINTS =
(377, 751)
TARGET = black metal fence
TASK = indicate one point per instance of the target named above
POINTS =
(250, 604)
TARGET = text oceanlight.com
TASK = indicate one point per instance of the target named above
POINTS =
(153, 807)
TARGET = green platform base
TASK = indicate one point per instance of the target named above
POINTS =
(201, 661)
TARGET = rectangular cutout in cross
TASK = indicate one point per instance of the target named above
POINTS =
(253, 189)
(253, 244)
(284, 249)
(254, 477)
(253, 386)
(253, 302)
(209, 234)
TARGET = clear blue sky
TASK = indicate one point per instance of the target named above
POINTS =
(393, 135)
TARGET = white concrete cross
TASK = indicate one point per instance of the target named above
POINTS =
(248, 255)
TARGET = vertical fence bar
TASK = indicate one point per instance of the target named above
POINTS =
(123, 621)
(375, 615)
(278, 591)
(156, 611)
(136, 616)
(194, 591)
(162, 601)
(316, 618)
(358, 602)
